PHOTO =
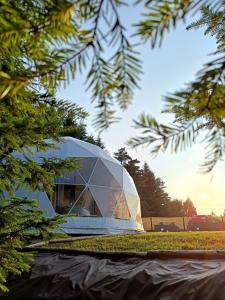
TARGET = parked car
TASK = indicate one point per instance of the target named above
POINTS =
(166, 227)
(205, 223)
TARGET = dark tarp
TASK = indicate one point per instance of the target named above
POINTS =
(60, 276)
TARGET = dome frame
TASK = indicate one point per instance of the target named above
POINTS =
(101, 193)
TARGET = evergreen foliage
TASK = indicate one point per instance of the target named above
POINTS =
(154, 199)
(163, 15)
(23, 128)
(122, 156)
(43, 45)
(16, 223)
(199, 108)
(56, 40)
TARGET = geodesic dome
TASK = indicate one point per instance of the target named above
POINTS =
(101, 193)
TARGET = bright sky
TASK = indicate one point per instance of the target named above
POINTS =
(165, 70)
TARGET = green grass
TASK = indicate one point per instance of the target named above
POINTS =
(150, 241)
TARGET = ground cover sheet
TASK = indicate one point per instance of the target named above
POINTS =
(67, 277)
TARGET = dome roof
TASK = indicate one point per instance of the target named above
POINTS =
(71, 147)
(101, 188)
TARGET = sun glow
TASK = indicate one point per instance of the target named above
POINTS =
(204, 197)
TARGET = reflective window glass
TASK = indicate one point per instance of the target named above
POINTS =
(70, 178)
(86, 206)
(64, 197)
(86, 167)
(102, 177)
(106, 199)
(115, 169)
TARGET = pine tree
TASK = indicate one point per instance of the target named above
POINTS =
(152, 194)
(133, 168)
(122, 156)
(174, 208)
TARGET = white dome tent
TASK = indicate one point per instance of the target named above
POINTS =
(101, 193)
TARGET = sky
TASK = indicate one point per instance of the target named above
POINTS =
(165, 70)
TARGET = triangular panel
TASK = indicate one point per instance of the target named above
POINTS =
(67, 147)
(93, 149)
(121, 211)
(116, 194)
(73, 148)
(65, 196)
(86, 167)
(128, 183)
(106, 199)
(132, 203)
(115, 169)
(102, 177)
(86, 206)
(138, 217)
(70, 178)
(103, 154)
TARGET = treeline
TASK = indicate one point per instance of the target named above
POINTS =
(155, 201)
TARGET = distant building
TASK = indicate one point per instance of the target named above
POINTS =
(101, 193)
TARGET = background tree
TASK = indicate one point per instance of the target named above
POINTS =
(174, 208)
(189, 208)
(132, 166)
(153, 196)
(122, 156)
(73, 124)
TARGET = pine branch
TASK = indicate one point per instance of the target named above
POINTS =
(163, 15)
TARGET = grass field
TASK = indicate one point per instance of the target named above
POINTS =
(150, 241)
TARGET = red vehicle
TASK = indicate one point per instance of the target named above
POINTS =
(205, 223)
